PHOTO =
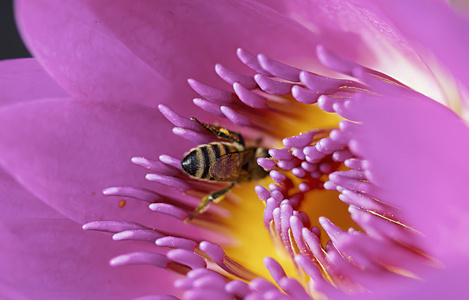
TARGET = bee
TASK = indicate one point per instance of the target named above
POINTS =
(228, 161)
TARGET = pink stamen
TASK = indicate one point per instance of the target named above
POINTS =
(208, 106)
(273, 87)
(304, 95)
(211, 93)
(251, 61)
(279, 69)
(135, 193)
(155, 166)
(187, 258)
(137, 235)
(169, 210)
(248, 97)
(231, 77)
(176, 242)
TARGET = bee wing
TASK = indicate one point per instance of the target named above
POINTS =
(229, 166)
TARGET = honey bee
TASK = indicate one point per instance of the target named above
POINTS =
(229, 161)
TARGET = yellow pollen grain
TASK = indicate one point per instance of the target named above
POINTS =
(122, 203)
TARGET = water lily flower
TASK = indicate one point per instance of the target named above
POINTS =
(363, 113)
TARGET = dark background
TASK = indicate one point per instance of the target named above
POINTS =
(11, 45)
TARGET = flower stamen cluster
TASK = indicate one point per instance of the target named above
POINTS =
(272, 104)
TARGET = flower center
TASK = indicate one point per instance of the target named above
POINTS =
(301, 118)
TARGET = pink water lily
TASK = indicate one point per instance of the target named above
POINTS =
(75, 115)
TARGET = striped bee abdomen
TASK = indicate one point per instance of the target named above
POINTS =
(198, 161)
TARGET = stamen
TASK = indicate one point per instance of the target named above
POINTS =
(381, 227)
(155, 166)
(216, 253)
(297, 226)
(249, 98)
(191, 136)
(341, 155)
(187, 258)
(132, 192)
(301, 140)
(354, 163)
(351, 184)
(169, 210)
(314, 245)
(174, 182)
(366, 202)
(322, 85)
(293, 288)
(262, 192)
(319, 284)
(178, 120)
(271, 205)
(236, 118)
(278, 69)
(171, 161)
(333, 231)
(209, 107)
(211, 93)
(266, 164)
(176, 242)
(149, 258)
(262, 285)
(281, 154)
(113, 226)
(238, 288)
(328, 146)
(231, 77)
(304, 95)
(275, 269)
(277, 176)
(137, 235)
(141, 258)
(327, 103)
(334, 62)
(273, 87)
(251, 61)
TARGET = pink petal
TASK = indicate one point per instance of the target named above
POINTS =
(416, 150)
(144, 51)
(447, 283)
(186, 40)
(448, 40)
(66, 152)
(25, 80)
(83, 57)
(45, 258)
(18, 203)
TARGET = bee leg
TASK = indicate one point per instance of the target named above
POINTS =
(213, 197)
(223, 133)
